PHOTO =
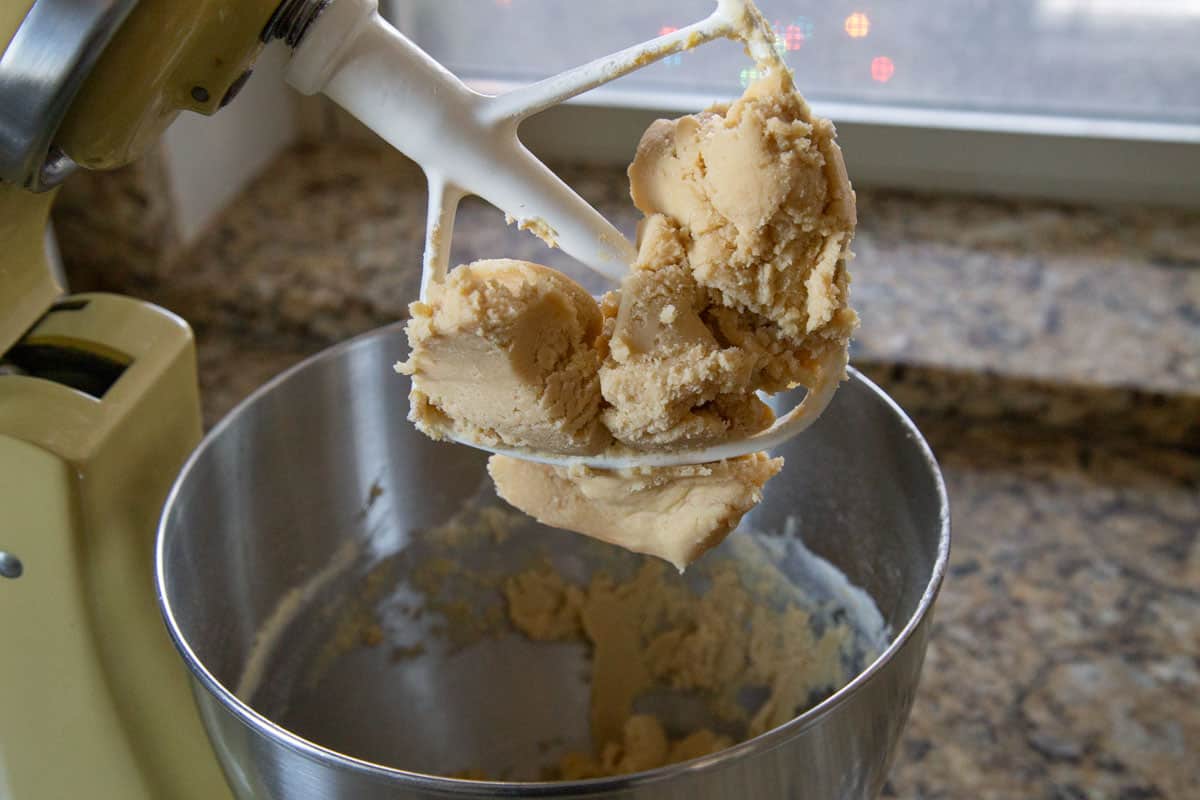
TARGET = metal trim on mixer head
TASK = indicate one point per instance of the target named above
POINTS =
(41, 71)
(451, 786)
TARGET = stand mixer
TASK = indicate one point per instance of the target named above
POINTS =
(99, 403)
(98, 393)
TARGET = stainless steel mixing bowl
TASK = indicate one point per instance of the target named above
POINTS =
(319, 474)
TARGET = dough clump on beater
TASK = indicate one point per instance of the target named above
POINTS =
(504, 353)
(740, 285)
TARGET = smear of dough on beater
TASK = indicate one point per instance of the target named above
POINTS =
(537, 226)
(675, 513)
(740, 286)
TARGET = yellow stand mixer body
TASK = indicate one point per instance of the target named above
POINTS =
(98, 410)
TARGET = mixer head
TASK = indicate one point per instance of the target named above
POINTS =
(92, 85)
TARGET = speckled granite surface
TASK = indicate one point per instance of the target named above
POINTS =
(329, 241)
(1051, 355)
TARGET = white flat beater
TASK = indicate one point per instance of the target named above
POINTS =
(467, 143)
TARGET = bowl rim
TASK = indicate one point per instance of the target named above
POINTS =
(769, 740)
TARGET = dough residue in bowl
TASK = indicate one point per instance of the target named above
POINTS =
(649, 632)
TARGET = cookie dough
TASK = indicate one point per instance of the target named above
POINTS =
(675, 513)
(740, 283)
(668, 381)
(761, 191)
(504, 353)
(740, 286)
(649, 632)
(643, 745)
(678, 666)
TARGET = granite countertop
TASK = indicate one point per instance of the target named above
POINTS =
(1050, 353)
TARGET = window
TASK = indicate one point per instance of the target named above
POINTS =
(1119, 59)
(1102, 71)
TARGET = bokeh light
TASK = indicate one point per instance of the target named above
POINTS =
(749, 76)
(858, 25)
(882, 69)
(793, 37)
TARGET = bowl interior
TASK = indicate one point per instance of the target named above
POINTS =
(322, 560)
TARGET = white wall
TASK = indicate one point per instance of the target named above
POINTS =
(209, 160)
